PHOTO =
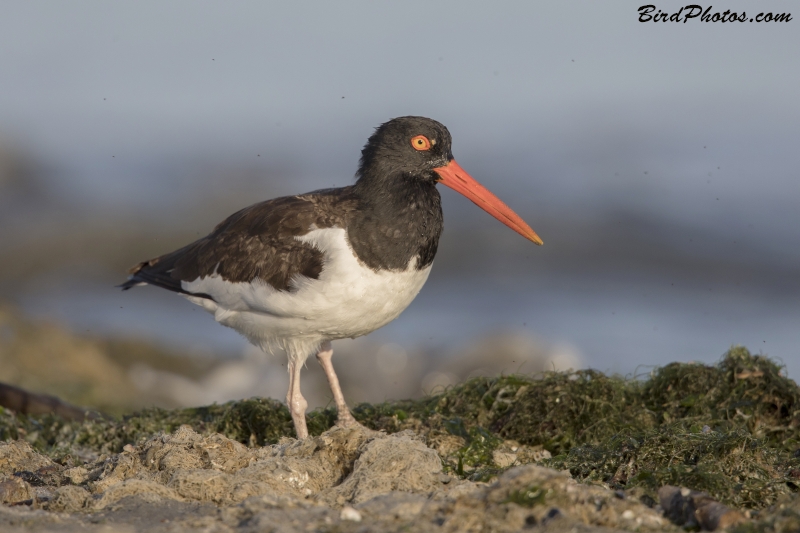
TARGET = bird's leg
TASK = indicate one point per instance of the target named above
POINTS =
(294, 399)
(344, 417)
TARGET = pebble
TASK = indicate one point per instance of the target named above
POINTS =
(348, 513)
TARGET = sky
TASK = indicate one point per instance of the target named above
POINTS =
(569, 110)
(568, 99)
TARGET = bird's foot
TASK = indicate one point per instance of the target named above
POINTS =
(347, 420)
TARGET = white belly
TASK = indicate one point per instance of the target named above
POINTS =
(348, 300)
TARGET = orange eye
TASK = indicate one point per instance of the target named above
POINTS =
(420, 142)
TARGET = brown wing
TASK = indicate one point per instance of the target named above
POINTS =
(258, 242)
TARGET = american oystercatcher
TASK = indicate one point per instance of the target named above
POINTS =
(297, 272)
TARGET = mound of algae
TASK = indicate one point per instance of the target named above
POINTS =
(729, 429)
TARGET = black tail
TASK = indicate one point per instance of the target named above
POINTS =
(128, 284)
(158, 272)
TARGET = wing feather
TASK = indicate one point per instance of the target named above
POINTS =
(258, 242)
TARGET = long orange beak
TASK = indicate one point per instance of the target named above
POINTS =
(457, 179)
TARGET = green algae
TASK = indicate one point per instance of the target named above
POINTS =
(254, 422)
(730, 429)
(528, 497)
(733, 466)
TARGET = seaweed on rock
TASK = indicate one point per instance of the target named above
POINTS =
(729, 429)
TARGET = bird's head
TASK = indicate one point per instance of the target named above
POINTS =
(419, 148)
(407, 145)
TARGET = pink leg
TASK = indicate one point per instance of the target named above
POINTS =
(344, 417)
(294, 399)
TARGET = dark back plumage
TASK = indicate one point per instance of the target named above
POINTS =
(257, 242)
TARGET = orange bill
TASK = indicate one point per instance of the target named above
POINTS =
(457, 179)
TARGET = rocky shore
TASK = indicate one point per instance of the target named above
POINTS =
(342, 480)
(692, 446)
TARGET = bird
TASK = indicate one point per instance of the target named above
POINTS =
(297, 272)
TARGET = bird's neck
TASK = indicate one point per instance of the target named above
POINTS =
(393, 193)
(400, 218)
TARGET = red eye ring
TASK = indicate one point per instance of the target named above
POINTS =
(420, 143)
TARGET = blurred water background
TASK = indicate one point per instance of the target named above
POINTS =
(657, 161)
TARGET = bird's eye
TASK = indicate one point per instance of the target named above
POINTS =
(420, 142)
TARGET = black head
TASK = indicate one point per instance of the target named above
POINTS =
(404, 160)
(410, 146)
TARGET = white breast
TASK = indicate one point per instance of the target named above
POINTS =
(348, 300)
